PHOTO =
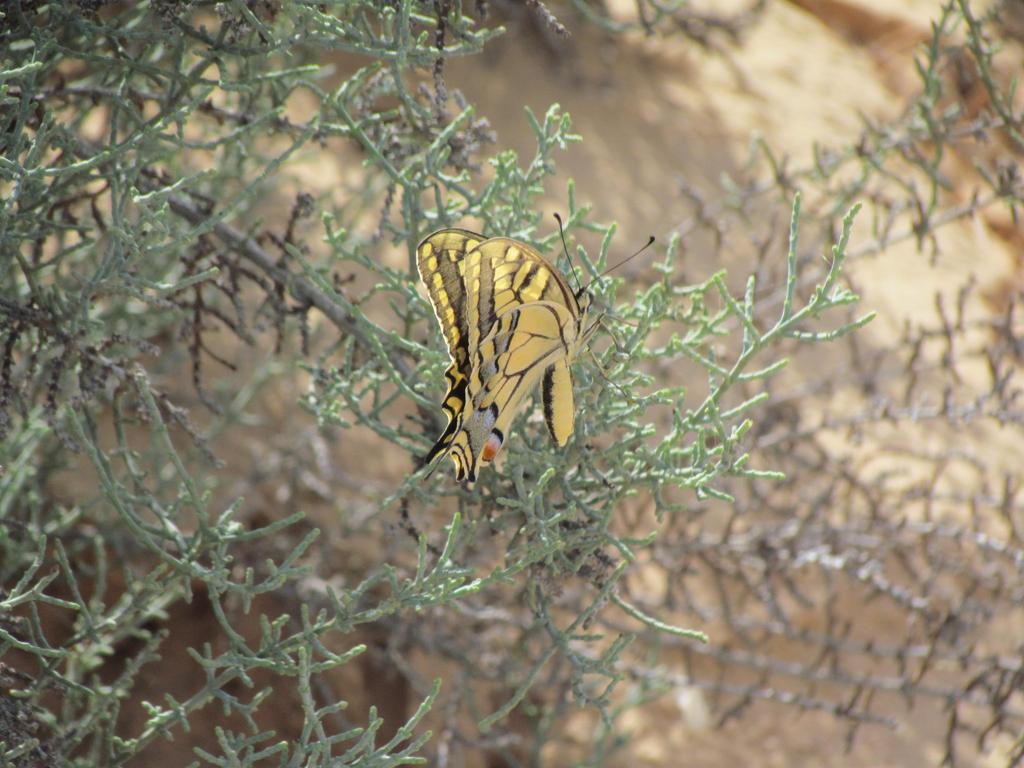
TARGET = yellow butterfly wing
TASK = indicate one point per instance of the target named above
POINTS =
(440, 259)
(559, 409)
(521, 323)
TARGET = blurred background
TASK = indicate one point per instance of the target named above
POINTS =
(220, 376)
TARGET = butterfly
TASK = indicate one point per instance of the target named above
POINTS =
(510, 321)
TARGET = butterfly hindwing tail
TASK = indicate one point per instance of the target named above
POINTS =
(454, 405)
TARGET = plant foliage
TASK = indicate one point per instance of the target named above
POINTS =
(189, 572)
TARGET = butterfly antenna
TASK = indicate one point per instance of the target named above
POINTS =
(561, 234)
(628, 259)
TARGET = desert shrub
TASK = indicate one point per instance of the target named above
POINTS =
(209, 220)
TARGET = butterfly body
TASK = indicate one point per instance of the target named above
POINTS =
(511, 322)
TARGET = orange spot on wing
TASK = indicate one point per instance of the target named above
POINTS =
(491, 448)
